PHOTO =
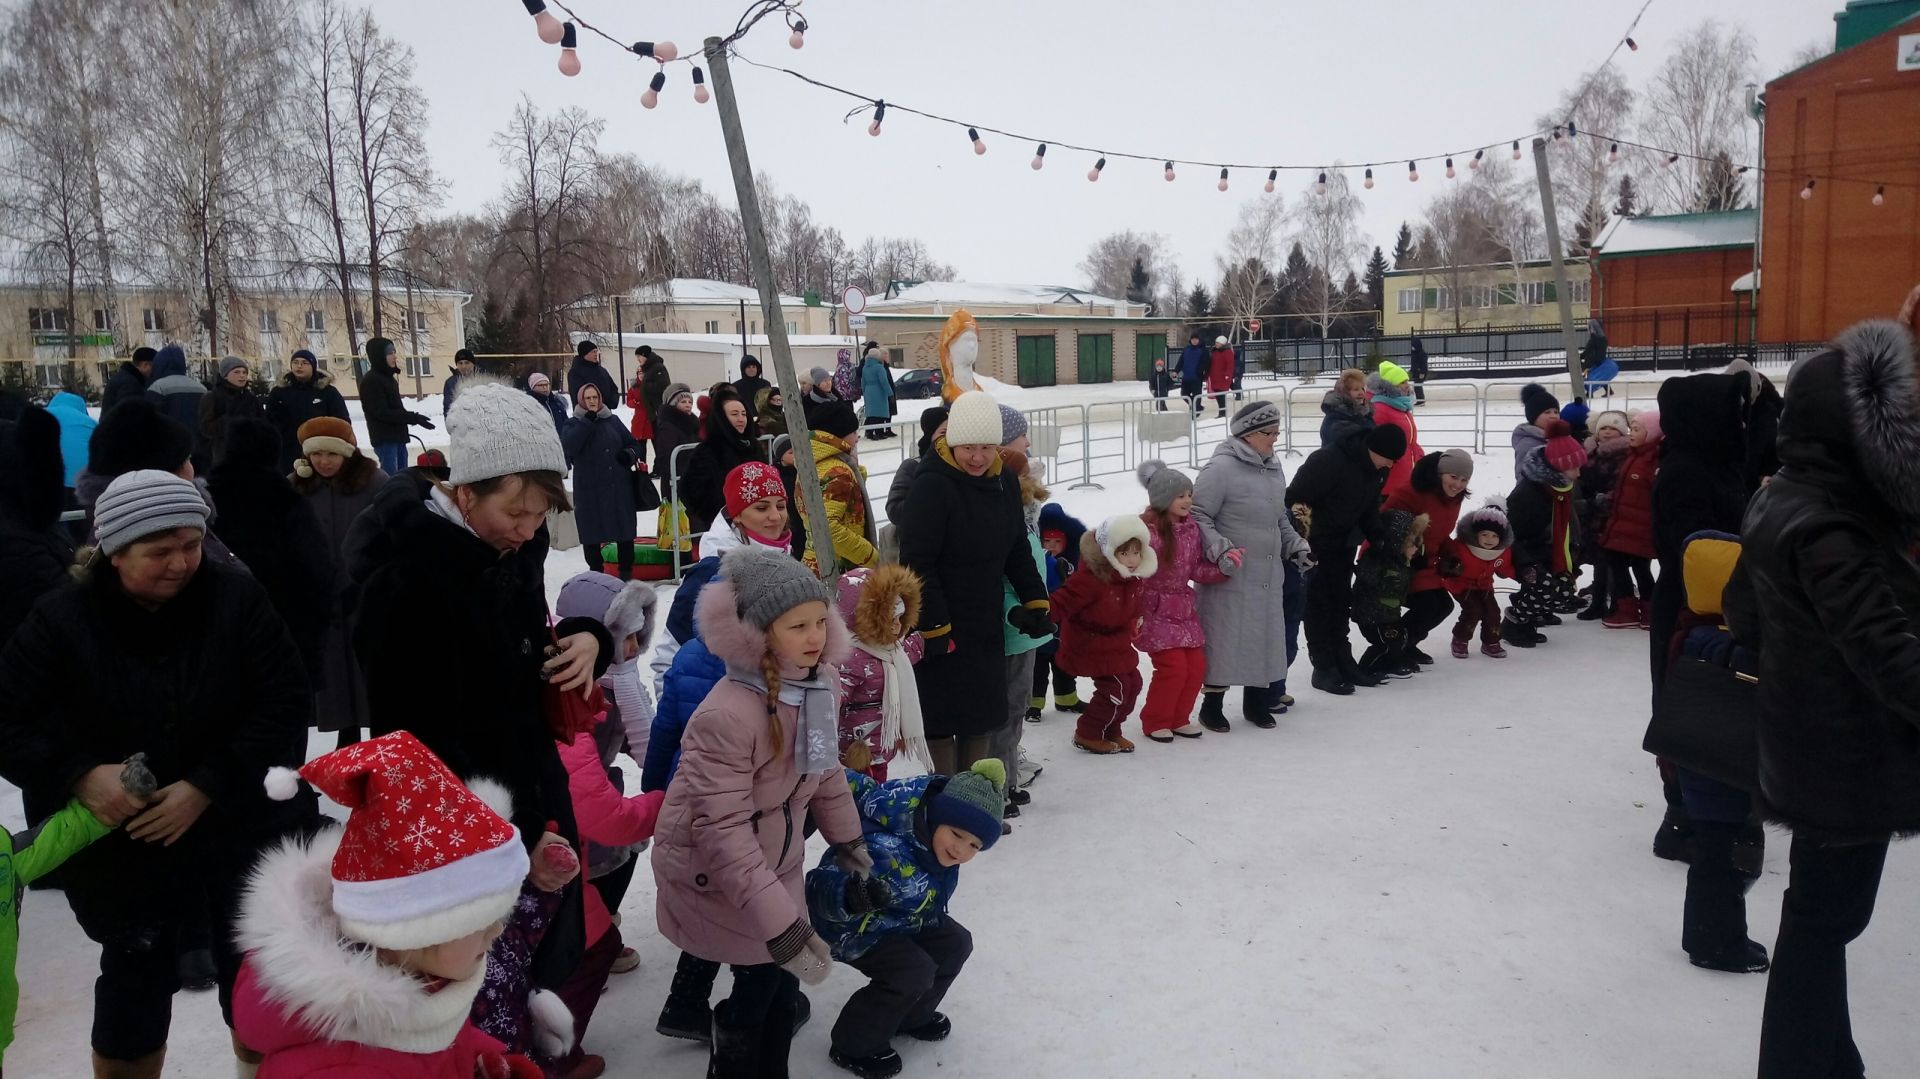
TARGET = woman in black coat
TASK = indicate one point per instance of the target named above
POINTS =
(34, 555)
(304, 393)
(674, 426)
(602, 452)
(962, 531)
(193, 673)
(1828, 557)
(727, 444)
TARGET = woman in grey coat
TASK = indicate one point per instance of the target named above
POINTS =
(1240, 503)
(338, 481)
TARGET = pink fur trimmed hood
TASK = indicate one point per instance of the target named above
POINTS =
(716, 617)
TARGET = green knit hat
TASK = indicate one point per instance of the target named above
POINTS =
(972, 801)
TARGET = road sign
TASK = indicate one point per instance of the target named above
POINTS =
(854, 299)
(856, 322)
(1253, 325)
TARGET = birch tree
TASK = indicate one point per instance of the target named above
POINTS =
(1327, 228)
(1247, 283)
(1697, 107)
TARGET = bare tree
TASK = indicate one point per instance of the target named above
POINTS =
(1108, 266)
(386, 138)
(1457, 243)
(1509, 210)
(1582, 168)
(547, 210)
(1697, 107)
(1247, 284)
(1327, 228)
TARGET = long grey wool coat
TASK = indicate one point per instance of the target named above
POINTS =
(1240, 500)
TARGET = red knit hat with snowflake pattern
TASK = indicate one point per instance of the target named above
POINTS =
(749, 483)
(423, 859)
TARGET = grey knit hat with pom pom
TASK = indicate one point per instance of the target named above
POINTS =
(1163, 484)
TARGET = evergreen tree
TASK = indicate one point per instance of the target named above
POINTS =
(1140, 285)
(1629, 198)
(1199, 304)
(1403, 247)
(1723, 187)
(493, 334)
(1376, 280)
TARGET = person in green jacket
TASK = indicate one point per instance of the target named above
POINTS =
(1021, 649)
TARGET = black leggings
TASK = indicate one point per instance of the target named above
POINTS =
(1626, 573)
(597, 562)
(759, 990)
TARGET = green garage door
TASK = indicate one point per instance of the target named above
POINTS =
(1035, 356)
(1148, 348)
(1096, 358)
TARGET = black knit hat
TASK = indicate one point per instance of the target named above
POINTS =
(1388, 441)
(134, 435)
(836, 418)
(1534, 399)
(930, 421)
(584, 347)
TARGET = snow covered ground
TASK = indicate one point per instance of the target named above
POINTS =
(1444, 877)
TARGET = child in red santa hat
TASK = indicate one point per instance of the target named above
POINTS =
(366, 945)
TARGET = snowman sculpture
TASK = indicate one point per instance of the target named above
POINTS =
(959, 352)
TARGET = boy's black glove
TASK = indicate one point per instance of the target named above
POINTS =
(1450, 567)
(1031, 621)
(866, 896)
(420, 419)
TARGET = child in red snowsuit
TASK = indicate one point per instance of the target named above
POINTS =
(1477, 553)
(1098, 611)
(1220, 365)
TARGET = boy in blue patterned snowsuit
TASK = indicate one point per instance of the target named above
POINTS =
(891, 923)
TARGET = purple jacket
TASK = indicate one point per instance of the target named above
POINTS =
(1167, 598)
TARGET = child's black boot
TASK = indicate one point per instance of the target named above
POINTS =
(878, 1066)
(736, 1051)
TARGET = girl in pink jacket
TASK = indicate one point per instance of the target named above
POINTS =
(1171, 635)
(759, 754)
(879, 704)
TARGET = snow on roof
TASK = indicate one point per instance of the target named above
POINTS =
(968, 293)
(701, 290)
(1676, 232)
(1747, 282)
(716, 342)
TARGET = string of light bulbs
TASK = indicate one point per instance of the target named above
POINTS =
(565, 34)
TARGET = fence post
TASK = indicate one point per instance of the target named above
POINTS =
(1686, 336)
(1086, 453)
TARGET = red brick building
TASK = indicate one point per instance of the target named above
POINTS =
(1852, 119)
(1669, 280)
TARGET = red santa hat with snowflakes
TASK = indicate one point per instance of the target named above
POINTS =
(423, 859)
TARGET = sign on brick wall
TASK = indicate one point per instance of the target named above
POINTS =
(1909, 59)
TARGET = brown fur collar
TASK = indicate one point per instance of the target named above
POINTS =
(873, 620)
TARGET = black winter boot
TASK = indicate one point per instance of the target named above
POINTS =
(685, 1014)
(736, 1050)
(1212, 716)
(1332, 682)
(1674, 840)
(1519, 634)
(1256, 704)
(880, 1065)
(1714, 927)
(776, 1037)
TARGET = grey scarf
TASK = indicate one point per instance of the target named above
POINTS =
(816, 727)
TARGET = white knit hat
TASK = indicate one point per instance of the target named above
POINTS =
(974, 420)
(498, 431)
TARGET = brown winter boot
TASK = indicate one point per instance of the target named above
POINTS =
(1095, 744)
(146, 1067)
(1120, 741)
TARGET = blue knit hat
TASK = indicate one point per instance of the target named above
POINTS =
(973, 801)
(1576, 413)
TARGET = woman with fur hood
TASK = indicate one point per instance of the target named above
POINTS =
(759, 757)
(603, 454)
(1098, 611)
(339, 482)
(1346, 414)
(879, 704)
(1830, 592)
(1172, 636)
(1435, 490)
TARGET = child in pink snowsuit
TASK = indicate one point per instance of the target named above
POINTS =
(1172, 636)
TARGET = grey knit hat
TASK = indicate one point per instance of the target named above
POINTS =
(140, 503)
(228, 364)
(674, 392)
(1163, 484)
(769, 583)
(817, 374)
(1013, 424)
(1254, 416)
(495, 430)
(1456, 463)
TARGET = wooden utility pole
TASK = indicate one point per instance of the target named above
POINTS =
(806, 479)
(1562, 293)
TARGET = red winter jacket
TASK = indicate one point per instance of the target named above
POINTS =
(1421, 494)
(1097, 609)
(1630, 521)
(1476, 573)
(1385, 415)
(1220, 370)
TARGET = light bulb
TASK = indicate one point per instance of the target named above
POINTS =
(1320, 185)
(879, 114)
(1807, 191)
(544, 23)
(1613, 154)
(978, 146)
(1272, 175)
(1880, 195)
(1222, 185)
(1450, 173)
(1169, 172)
(666, 50)
(650, 97)
(1413, 173)
(1478, 155)
(1516, 149)
(700, 94)
(569, 60)
(1632, 45)
(1039, 156)
(799, 35)
(1368, 183)
(1572, 131)
(1093, 174)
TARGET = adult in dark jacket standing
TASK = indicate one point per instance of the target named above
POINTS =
(1828, 556)
(338, 482)
(674, 426)
(460, 561)
(876, 390)
(162, 652)
(273, 530)
(750, 383)
(230, 399)
(602, 453)
(129, 381)
(1417, 368)
(34, 554)
(654, 379)
(1339, 485)
(728, 443)
(304, 393)
(387, 417)
(540, 388)
(588, 370)
(962, 531)
(1764, 407)
(1193, 370)
(463, 369)
(176, 395)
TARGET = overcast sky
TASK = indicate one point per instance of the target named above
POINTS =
(1283, 82)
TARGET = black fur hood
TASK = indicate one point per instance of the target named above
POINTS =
(1851, 418)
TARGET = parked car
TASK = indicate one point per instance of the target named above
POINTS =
(917, 383)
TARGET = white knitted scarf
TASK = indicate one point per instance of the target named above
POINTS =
(900, 703)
